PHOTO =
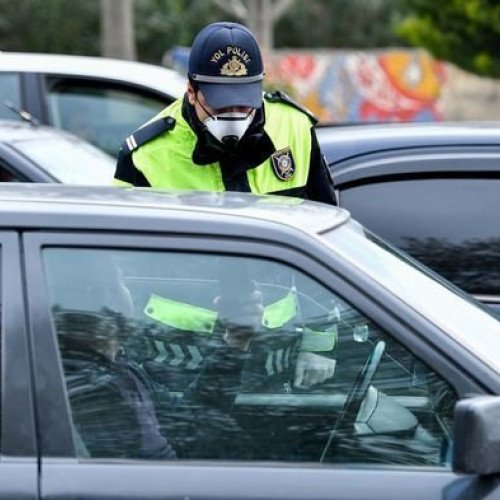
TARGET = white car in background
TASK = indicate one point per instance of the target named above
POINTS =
(39, 153)
(99, 99)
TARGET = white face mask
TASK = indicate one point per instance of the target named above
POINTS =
(228, 126)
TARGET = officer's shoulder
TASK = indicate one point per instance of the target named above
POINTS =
(279, 96)
(147, 133)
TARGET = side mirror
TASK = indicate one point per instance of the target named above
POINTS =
(476, 443)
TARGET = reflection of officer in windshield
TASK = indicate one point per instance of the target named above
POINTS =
(253, 312)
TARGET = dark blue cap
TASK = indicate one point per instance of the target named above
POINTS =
(226, 64)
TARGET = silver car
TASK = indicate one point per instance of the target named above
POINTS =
(366, 376)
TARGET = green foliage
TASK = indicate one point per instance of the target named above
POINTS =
(465, 32)
(340, 24)
(73, 27)
(163, 24)
(50, 26)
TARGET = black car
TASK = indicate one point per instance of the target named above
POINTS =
(431, 189)
(38, 153)
(119, 379)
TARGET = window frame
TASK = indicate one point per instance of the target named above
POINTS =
(18, 418)
(19, 452)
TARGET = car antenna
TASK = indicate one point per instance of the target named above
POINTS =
(24, 115)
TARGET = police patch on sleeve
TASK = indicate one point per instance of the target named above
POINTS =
(283, 164)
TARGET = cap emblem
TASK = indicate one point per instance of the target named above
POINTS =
(234, 67)
(283, 164)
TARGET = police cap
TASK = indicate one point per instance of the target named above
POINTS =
(225, 63)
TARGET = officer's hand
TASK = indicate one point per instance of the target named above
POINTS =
(312, 369)
(241, 317)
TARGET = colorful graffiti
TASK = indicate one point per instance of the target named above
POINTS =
(353, 86)
(346, 86)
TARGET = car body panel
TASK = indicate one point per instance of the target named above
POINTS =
(200, 481)
(162, 80)
(41, 154)
(341, 142)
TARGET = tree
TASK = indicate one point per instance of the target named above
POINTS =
(259, 15)
(117, 29)
(163, 24)
(70, 27)
(53, 26)
(352, 24)
(465, 32)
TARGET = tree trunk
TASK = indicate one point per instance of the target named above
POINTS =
(117, 29)
(259, 15)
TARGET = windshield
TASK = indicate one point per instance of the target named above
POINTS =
(450, 309)
(69, 159)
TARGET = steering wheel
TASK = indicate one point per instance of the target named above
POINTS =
(357, 394)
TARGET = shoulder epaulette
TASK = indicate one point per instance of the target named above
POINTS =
(279, 96)
(146, 133)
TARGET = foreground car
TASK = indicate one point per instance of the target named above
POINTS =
(30, 153)
(91, 274)
(99, 99)
(431, 189)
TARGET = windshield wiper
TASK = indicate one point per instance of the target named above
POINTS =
(24, 115)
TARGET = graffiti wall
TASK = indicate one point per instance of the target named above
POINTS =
(349, 86)
(354, 86)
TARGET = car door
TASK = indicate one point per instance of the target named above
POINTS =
(19, 454)
(437, 204)
(125, 329)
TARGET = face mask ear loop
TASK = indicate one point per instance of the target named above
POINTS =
(203, 107)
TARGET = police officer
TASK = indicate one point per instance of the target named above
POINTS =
(225, 134)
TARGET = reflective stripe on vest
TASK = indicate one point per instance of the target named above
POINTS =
(280, 312)
(166, 161)
(181, 315)
(319, 341)
(190, 318)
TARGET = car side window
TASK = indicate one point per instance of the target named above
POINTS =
(449, 224)
(203, 356)
(100, 113)
(7, 176)
(10, 93)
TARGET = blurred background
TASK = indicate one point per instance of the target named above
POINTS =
(347, 60)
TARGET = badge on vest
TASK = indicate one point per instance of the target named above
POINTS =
(283, 164)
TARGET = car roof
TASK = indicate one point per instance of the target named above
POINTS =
(56, 205)
(158, 78)
(342, 142)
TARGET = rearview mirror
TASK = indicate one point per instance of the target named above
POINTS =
(476, 444)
